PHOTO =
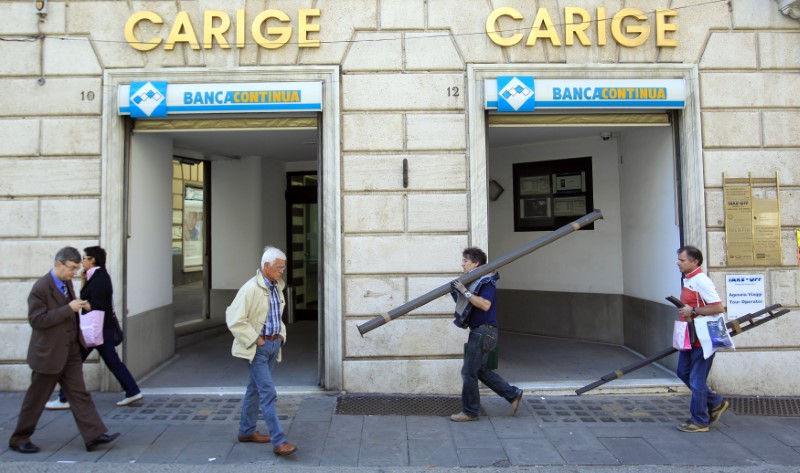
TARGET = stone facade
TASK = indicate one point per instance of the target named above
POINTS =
(397, 241)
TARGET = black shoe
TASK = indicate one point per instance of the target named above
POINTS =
(105, 438)
(26, 447)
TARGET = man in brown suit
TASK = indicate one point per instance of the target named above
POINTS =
(54, 355)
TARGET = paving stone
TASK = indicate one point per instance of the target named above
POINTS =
(730, 454)
(317, 409)
(309, 437)
(428, 428)
(432, 453)
(204, 453)
(475, 433)
(633, 451)
(169, 445)
(767, 447)
(343, 442)
(589, 457)
(538, 451)
(132, 443)
(488, 456)
(516, 427)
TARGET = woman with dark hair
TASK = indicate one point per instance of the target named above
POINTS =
(96, 289)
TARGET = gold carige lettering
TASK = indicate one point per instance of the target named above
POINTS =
(663, 26)
(131, 24)
(304, 27)
(579, 29)
(210, 32)
(182, 32)
(601, 26)
(240, 29)
(542, 17)
(491, 26)
(643, 31)
(284, 32)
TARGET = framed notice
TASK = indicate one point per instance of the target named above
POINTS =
(551, 194)
(752, 225)
(192, 231)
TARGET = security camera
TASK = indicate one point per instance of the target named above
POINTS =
(606, 135)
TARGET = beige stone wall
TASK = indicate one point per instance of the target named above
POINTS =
(401, 61)
(50, 164)
(750, 127)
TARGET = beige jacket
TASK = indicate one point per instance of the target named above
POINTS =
(247, 315)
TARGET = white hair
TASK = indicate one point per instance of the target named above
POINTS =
(271, 254)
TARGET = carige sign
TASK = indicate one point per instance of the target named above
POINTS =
(272, 29)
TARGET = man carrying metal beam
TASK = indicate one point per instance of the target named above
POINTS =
(700, 298)
(475, 309)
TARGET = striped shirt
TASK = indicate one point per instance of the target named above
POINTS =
(273, 323)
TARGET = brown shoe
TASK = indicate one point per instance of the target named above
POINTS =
(284, 449)
(254, 437)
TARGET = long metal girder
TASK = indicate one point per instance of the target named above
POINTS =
(480, 271)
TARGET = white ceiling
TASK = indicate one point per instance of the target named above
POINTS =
(276, 144)
(292, 145)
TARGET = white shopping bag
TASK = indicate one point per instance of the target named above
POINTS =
(92, 328)
(713, 334)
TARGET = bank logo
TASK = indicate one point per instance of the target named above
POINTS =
(515, 94)
(148, 99)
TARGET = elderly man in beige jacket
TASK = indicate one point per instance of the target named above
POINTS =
(254, 319)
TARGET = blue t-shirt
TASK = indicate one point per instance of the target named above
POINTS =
(481, 317)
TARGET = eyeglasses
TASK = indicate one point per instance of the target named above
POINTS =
(279, 268)
(70, 267)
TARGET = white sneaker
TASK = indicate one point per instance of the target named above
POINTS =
(56, 405)
(130, 400)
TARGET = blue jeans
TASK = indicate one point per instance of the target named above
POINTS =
(481, 341)
(110, 357)
(261, 391)
(693, 370)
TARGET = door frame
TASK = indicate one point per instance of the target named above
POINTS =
(114, 200)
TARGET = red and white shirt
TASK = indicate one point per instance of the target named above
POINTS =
(698, 291)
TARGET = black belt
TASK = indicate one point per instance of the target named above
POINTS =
(482, 326)
(269, 337)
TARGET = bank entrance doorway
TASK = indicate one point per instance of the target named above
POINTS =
(210, 222)
(592, 301)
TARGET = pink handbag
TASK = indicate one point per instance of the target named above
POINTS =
(92, 327)
(680, 336)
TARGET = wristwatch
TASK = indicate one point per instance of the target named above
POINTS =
(694, 312)
(467, 294)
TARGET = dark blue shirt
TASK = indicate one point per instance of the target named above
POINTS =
(59, 283)
(481, 317)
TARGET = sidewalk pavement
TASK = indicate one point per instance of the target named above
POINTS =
(177, 433)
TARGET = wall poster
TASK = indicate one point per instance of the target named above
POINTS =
(193, 228)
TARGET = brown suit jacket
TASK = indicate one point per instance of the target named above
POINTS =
(55, 326)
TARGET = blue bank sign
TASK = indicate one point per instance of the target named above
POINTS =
(524, 94)
(153, 99)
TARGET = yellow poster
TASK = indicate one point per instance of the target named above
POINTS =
(738, 225)
(766, 232)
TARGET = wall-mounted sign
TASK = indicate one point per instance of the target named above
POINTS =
(745, 294)
(629, 27)
(159, 99)
(587, 94)
(752, 225)
(270, 29)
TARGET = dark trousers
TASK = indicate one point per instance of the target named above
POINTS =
(110, 357)
(481, 341)
(89, 423)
